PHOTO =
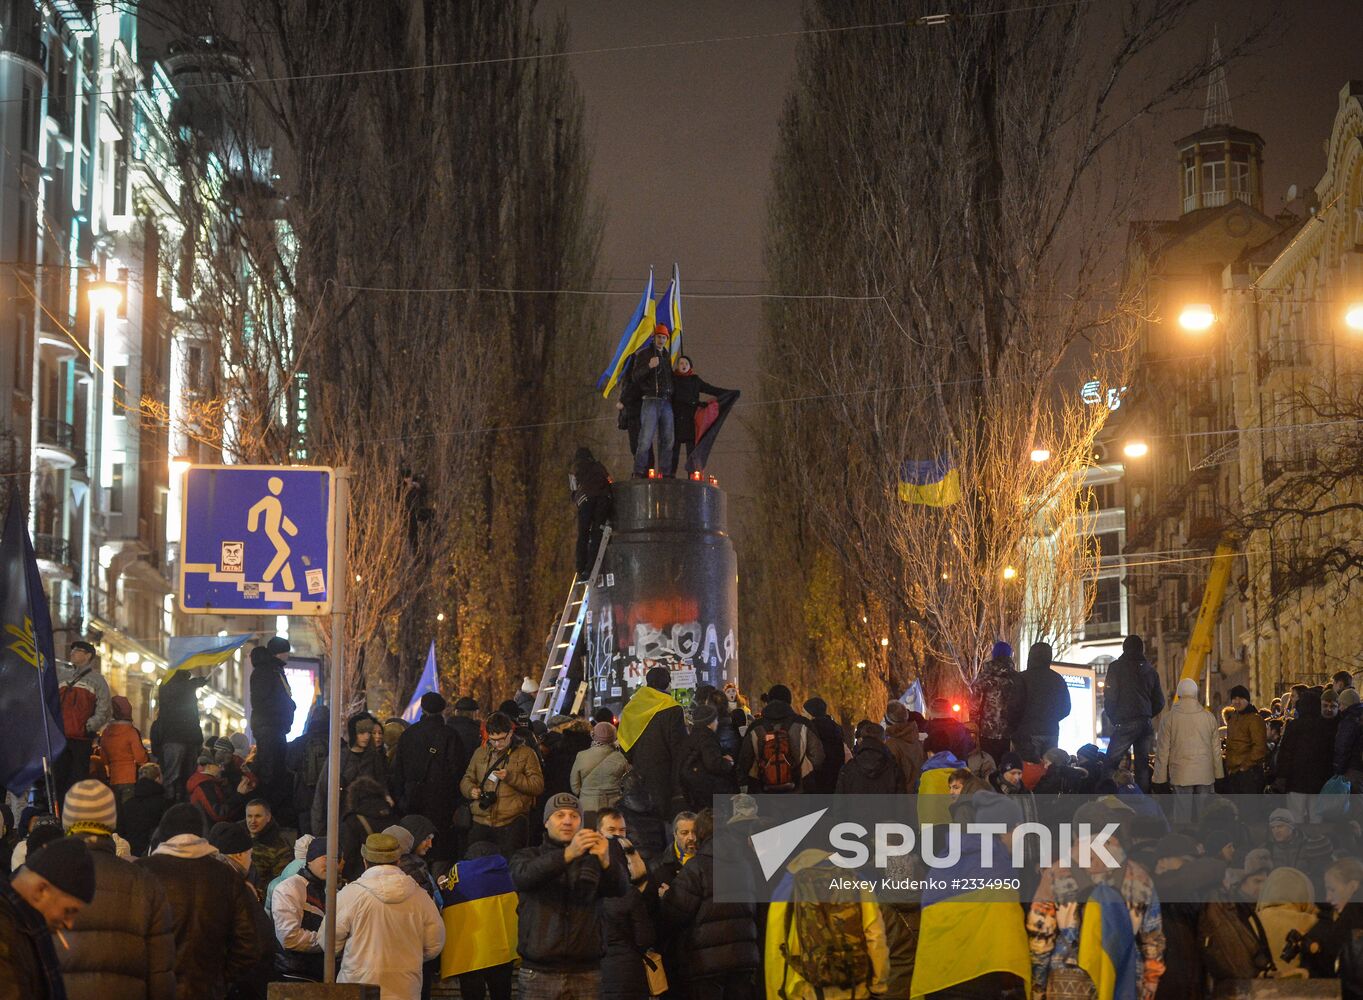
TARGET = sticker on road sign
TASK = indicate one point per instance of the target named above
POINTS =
(315, 584)
(610, 579)
(233, 557)
(251, 591)
(616, 692)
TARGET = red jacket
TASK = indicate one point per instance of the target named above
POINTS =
(121, 747)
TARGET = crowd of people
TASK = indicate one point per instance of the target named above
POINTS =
(576, 857)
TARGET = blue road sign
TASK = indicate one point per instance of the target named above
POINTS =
(256, 540)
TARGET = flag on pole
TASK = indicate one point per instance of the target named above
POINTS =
(430, 681)
(933, 483)
(637, 330)
(913, 699)
(29, 702)
(668, 313)
(709, 419)
(192, 652)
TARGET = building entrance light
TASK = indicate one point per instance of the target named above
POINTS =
(1196, 317)
(1135, 449)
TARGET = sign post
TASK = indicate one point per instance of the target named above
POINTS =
(337, 684)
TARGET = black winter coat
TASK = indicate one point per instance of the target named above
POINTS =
(801, 733)
(141, 814)
(655, 381)
(121, 943)
(25, 945)
(272, 704)
(212, 913)
(369, 763)
(1306, 754)
(717, 939)
(825, 777)
(654, 755)
(559, 926)
(1349, 740)
(589, 477)
(871, 771)
(563, 748)
(469, 731)
(372, 810)
(631, 396)
(1045, 700)
(1132, 691)
(686, 393)
(702, 771)
(178, 718)
(426, 770)
(628, 931)
(948, 734)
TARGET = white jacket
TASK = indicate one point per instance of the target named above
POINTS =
(1189, 750)
(388, 927)
(290, 903)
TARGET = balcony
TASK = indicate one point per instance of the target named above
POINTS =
(1175, 627)
(26, 45)
(54, 550)
(57, 444)
(1205, 528)
(59, 114)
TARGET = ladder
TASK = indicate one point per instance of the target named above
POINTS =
(553, 685)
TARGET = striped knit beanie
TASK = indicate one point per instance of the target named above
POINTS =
(89, 808)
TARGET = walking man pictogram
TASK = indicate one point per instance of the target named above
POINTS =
(272, 512)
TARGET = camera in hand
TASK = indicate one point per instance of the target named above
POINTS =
(487, 798)
(1293, 948)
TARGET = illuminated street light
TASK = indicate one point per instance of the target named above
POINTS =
(861, 664)
(179, 465)
(130, 658)
(884, 642)
(148, 667)
(1353, 317)
(1009, 573)
(440, 616)
(1041, 455)
(106, 295)
(1135, 449)
(211, 701)
(1196, 317)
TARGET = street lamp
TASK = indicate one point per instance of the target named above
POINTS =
(1196, 317)
(1353, 316)
(1040, 455)
(106, 295)
(1009, 573)
(180, 464)
(1135, 449)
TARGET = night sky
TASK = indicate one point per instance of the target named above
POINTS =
(684, 137)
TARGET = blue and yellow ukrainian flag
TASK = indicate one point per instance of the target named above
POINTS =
(190, 652)
(1107, 945)
(479, 916)
(637, 330)
(932, 482)
(668, 313)
(965, 934)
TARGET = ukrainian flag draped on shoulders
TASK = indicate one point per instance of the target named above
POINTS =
(968, 933)
(479, 916)
(639, 712)
(1107, 945)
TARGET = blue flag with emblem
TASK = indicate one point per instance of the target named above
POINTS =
(29, 702)
(430, 681)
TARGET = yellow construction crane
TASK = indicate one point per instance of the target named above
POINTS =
(1200, 643)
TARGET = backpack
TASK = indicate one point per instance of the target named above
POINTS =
(634, 794)
(1233, 942)
(314, 760)
(834, 952)
(77, 704)
(773, 764)
(1333, 800)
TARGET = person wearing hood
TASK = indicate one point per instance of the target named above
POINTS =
(598, 771)
(652, 730)
(212, 908)
(872, 769)
(143, 811)
(946, 732)
(307, 760)
(1045, 700)
(589, 485)
(421, 832)
(764, 763)
(1287, 902)
(1132, 697)
(367, 810)
(176, 735)
(43, 897)
(386, 925)
(1305, 757)
(901, 739)
(120, 745)
(360, 759)
(121, 946)
(703, 769)
(997, 696)
(1348, 755)
(835, 751)
(1180, 874)
(272, 709)
(687, 388)
(298, 909)
(561, 884)
(1189, 754)
(1246, 745)
(429, 762)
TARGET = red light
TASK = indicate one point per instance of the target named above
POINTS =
(714, 481)
(955, 708)
(652, 473)
(696, 476)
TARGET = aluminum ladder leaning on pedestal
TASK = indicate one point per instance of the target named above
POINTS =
(553, 685)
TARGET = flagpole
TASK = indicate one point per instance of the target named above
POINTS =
(47, 737)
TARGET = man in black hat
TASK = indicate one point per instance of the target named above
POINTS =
(429, 762)
(272, 708)
(87, 707)
(466, 725)
(780, 750)
(43, 897)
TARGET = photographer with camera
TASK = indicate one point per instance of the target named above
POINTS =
(501, 785)
(1335, 940)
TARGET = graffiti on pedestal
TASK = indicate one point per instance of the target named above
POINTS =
(626, 642)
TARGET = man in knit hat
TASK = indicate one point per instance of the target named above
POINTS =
(272, 710)
(561, 884)
(121, 945)
(44, 896)
(1246, 745)
(386, 924)
(704, 770)
(234, 847)
(1348, 748)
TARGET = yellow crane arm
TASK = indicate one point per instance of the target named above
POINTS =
(1200, 644)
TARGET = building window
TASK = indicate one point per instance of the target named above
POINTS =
(116, 489)
(1105, 616)
(1108, 544)
(119, 373)
(1213, 183)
